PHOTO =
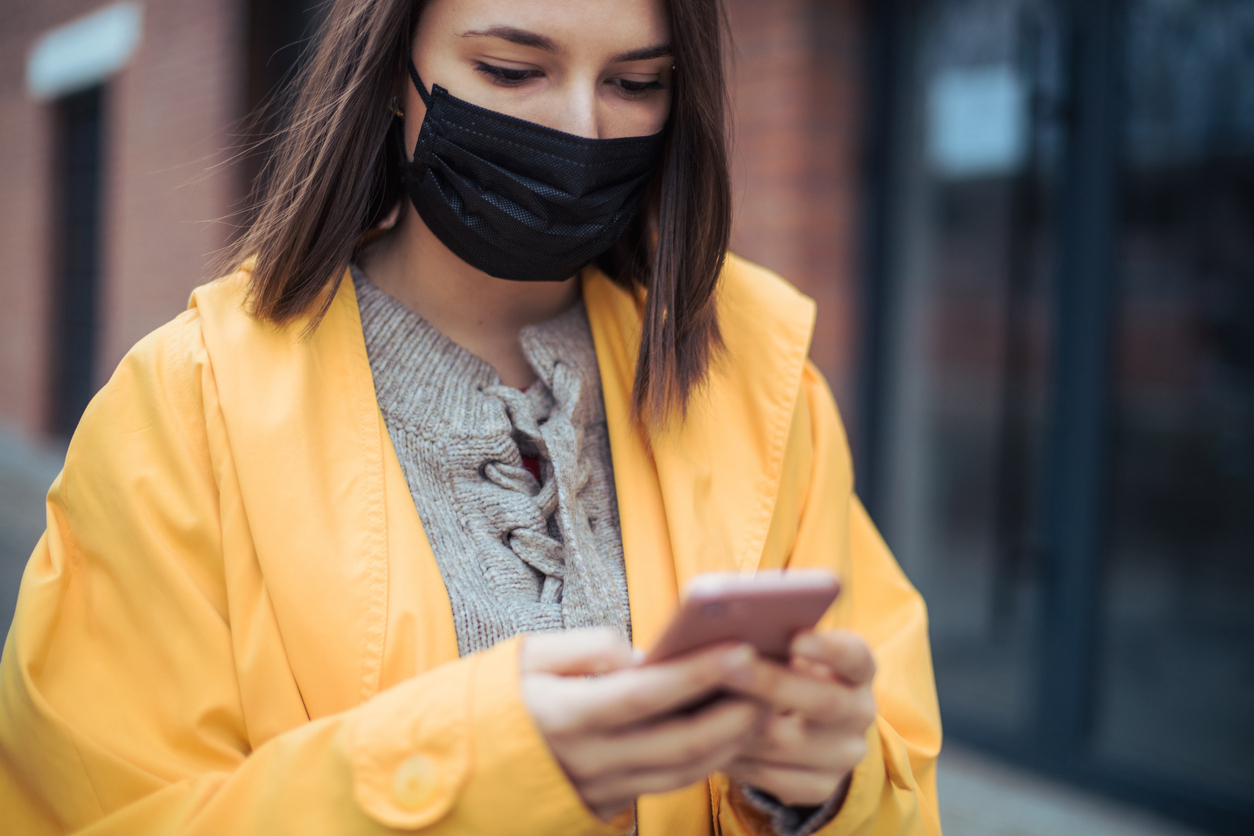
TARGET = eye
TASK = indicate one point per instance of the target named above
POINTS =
(635, 89)
(506, 76)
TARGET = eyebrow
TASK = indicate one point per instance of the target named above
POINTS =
(515, 36)
(645, 54)
(542, 42)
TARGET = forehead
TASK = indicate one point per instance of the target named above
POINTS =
(574, 25)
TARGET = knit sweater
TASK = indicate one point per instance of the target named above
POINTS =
(516, 555)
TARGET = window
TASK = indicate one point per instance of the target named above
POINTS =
(76, 253)
(1062, 422)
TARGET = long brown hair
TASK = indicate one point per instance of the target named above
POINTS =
(335, 174)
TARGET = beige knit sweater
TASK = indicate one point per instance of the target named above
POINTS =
(516, 555)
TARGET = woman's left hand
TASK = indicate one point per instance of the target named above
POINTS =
(816, 734)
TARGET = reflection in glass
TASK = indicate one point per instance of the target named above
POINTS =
(1177, 676)
(971, 344)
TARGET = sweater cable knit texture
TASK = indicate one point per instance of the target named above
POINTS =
(517, 555)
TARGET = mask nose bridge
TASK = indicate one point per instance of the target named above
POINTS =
(586, 122)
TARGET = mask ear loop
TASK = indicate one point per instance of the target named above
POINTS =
(400, 134)
(422, 91)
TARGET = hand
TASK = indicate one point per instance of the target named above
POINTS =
(617, 735)
(821, 707)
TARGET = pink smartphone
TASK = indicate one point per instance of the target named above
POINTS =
(764, 609)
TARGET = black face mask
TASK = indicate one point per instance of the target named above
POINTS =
(518, 200)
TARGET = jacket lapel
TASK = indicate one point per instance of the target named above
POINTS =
(700, 497)
(306, 443)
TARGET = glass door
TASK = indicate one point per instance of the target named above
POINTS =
(1176, 698)
(969, 343)
(1062, 426)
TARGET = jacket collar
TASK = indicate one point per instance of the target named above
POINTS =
(700, 494)
(304, 482)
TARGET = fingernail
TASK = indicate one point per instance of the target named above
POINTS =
(807, 646)
(738, 658)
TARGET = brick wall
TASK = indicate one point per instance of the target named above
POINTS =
(169, 115)
(172, 190)
(796, 158)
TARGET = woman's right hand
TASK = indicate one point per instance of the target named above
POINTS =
(617, 735)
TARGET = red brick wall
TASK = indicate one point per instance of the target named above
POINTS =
(172, 188)
(169, 115)
(24, 207)
(796, 83)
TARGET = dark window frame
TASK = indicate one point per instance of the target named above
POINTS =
(78, 177)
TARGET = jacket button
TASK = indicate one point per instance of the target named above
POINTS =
(414, 783)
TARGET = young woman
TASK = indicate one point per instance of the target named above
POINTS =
(357, 543)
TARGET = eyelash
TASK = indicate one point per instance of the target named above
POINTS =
(637, 89)
(509, 77)
(506, 76)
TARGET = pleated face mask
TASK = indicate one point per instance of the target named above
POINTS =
(518, 200)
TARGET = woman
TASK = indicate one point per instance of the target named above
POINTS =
(323, 547)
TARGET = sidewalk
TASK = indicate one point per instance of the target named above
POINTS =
(979, 796)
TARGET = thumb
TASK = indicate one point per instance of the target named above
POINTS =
(581, 652)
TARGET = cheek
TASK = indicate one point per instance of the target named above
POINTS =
(663, 112)
(639, 118)
(414, 111)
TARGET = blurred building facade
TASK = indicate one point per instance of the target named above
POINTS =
(1029, 227)
(109, 205)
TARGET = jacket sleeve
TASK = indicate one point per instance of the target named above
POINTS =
(120, 707)
(893, 789)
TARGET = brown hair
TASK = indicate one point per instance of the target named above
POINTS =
(335, 174)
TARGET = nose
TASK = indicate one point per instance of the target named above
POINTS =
(579, 110)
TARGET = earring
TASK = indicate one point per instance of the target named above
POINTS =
(396, 108)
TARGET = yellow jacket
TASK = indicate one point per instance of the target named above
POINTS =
(235, 625)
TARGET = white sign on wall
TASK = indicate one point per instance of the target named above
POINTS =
(84, 52)
(977, 121)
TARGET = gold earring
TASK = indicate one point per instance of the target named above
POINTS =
(396, 109)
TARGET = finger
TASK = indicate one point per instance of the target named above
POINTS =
(790, 785)
(786, 690)
(650, 781)
(784, 737)
(672, 744)
(787, 741)
(812, 669)
(593, 650)
(631, 695)
(841, 650)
